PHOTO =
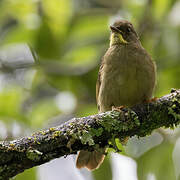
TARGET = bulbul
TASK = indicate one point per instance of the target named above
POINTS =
(126, 77)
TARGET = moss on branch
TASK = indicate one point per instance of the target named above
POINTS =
(88, 133)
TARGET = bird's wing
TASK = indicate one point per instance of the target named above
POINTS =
(98, 82)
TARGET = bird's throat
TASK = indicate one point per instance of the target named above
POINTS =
(116, 39)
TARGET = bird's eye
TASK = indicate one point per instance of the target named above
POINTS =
(119, 27)
(128, 29)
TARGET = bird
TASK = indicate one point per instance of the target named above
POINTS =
(127, 76)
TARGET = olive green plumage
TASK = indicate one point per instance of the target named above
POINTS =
(126, 77)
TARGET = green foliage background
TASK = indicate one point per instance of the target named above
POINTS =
(67, 40)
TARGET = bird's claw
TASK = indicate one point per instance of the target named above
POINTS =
(117, 108)
(151, 100)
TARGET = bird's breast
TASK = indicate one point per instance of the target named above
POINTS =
(124, 80)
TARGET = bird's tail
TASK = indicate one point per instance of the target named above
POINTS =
(90, 160)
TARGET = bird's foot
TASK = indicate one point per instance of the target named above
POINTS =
(151, 100)
(117, 108)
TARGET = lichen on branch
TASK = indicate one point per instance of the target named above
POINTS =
(88, 133)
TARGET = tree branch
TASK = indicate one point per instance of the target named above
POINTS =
(88, 133)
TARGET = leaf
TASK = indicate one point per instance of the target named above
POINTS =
(46, 44)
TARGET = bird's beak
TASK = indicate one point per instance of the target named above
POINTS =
(120, 34)
(115, 29)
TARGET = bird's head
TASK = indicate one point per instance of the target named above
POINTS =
(122, 32)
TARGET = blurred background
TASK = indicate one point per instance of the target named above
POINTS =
(49, 58)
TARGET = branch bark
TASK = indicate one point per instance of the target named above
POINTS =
(88, 133)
